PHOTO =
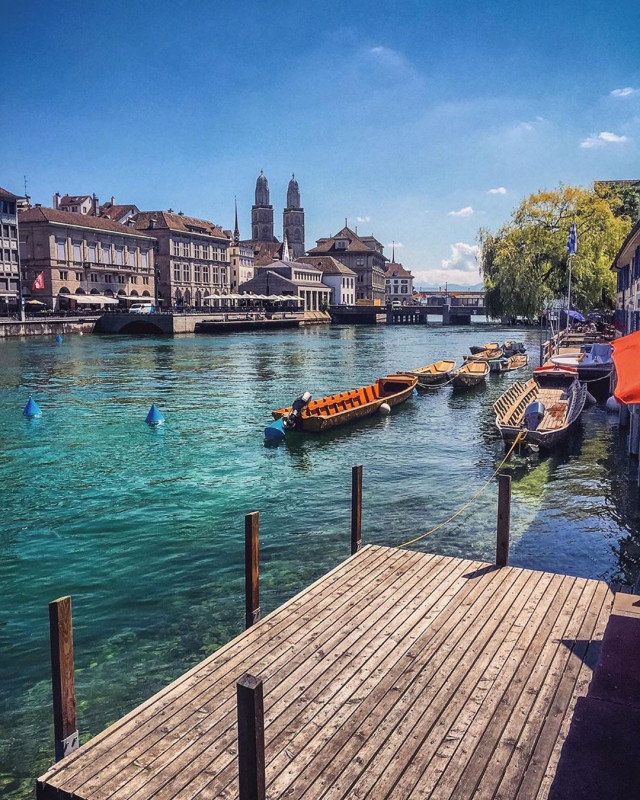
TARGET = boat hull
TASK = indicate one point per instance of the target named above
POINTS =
(470, 374)
(434, 374)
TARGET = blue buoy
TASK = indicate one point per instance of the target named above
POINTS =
(59, 339)
(154, 417)
(275, 431)
(32, 409)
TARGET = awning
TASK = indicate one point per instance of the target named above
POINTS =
(626, 357)
(91, 299)
(576, 315)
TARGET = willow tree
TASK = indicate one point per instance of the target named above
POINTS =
(525, 263)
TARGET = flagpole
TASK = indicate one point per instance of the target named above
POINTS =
(20, 297)
(569, 293)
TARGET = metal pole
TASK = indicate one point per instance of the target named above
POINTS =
(569, 293)
(20, 297)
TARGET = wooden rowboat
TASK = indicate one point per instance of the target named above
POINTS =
(486, 355)
(471, 373)
(488, 346)
(338, 409)
(432, 374)
(516, 361)
(544, 409)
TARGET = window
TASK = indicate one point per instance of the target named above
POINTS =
(175, 248)
(197, 251)
(145, 281)
(206, 274)
(92, 253)
(77, 252)
(205, 251)
(94, 277)
(106, 254)
(176, 272)
(108, 278)
(341, 244)
(60, 249)
(79, 276)
(14, 256)
(119, 256)
(144, 259)
(122, 279)
(360, 262)
(63, 275)
(197, 273)
(132, 256)
(185, 248)
(186, 273)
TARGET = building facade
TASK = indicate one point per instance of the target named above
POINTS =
(362, 254)
(340, 279)
(627, 268)
(9, 264)
(85, 260)
(293, 220)
(398, 283)
(192, 258)
(303, 279)
(241, 259)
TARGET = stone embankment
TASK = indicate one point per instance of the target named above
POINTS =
(10, 328)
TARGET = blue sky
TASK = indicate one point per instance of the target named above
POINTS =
(418, 121)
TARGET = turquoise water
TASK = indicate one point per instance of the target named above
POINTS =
(144, 526)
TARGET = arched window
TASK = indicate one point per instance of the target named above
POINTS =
(108, 293)
(178, 297)
(255, 231)
(296, 235)
(94, 291)
(198, 298)
(146, 293)
(265, 231)
(80, 291)
(133, 293)
(187, 297)
(64, 290)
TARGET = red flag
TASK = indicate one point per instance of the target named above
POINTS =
(39, 282)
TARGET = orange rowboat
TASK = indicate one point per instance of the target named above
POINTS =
(338, 409)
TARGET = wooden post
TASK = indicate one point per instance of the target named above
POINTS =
(356, 509)
(62, 680)
(251, 567)
(504, 520)
(251, 772)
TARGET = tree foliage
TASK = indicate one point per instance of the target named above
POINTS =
(525, 263)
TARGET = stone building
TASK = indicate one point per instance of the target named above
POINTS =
(241, 259)
(85, 260)
(192, 257)
(362, 254)
(398, 283)
(293, 220)
(90, 206)
(291, 277)
(340, 279)
(9, 265)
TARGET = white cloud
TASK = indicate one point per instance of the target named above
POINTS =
(602, 138)
(397, 245)
(388, 57)
(467, 211)
(363, 219)
(626, 92)
(463, 258)
(497, 190)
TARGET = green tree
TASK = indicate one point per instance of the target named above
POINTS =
(525, 263)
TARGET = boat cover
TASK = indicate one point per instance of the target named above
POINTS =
(626, 357)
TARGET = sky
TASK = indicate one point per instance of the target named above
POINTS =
(418, 122)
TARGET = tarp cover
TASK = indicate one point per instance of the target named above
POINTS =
(626, 357)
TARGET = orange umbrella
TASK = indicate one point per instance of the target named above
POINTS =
(626, 357)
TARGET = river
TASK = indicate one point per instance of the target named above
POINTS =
(144, 526)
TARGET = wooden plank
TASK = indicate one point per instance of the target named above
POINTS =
(62, 677)
(553, 702)
(402, 732)
(252, 568)
(193, 726)
(299, 672)
(356, 509)
(302, 613)
(251, 779)
(331, 760)
(480, 770)
(440, 762)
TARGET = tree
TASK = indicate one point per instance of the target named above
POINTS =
(525, 263)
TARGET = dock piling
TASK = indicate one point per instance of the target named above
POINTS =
(251, 765)
(504, 520)
(252, 567)
(62, 678)
(356, 508)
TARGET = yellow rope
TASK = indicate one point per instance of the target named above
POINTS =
(518, 438)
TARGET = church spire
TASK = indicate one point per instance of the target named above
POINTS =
(393, 252)
(285, 250)
(236, 230)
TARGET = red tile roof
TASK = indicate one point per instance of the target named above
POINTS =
(328, 265)
(42, 214)
(8, 195)
(115, 211)
(356, 244)
(395, 270)
(167, 220)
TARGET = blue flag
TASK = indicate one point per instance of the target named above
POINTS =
(572, 241)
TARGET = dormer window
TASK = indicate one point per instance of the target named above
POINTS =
(341, 244)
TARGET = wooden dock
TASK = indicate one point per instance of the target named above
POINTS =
(397, 675)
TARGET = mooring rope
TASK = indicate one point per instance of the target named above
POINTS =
(520, 437)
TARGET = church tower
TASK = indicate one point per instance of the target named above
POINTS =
(293, 220)
(262, 212)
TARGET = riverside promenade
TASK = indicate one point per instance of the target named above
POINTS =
(397, 675)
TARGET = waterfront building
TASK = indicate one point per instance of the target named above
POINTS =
(241, 259)
(119, 212)
(398, 282)
(192, 257)
(362, 254)
(340, 279)
(291, 278)
(9, 264)
(85, 260)
(626, 265)
(90, 206)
